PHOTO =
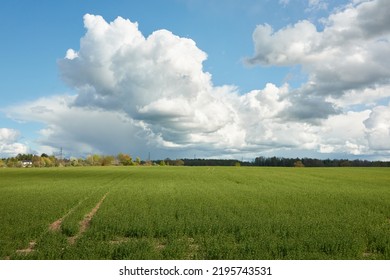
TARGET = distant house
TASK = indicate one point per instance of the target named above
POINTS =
(27, 163)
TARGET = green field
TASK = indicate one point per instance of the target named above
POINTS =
(194, 213)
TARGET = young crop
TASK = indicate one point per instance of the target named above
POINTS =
(194, 213)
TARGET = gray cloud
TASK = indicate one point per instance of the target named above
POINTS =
(373, 19)
(310, 108)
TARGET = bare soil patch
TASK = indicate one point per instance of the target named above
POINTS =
(158, 243)
(160, 246)
(119, 240)
(56, 226)
(29, 249)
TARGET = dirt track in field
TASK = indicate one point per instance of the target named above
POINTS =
(85, 223)
(56, 226)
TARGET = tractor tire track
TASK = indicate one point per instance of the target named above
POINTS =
(56, 225)
(85, 223)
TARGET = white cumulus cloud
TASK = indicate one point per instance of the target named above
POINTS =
(351, 53)
(378, 129)
(9, 143)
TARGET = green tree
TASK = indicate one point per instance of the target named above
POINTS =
(89, 160)
(107, 160)
(12, 162)
(298, 163)
(179, 162)
(124, 159)
(36, 161)
(47, 162)
(345, 163)
(55, 161)
(94, 159)
(74, 161)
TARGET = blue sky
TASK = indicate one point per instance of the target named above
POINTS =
(293, 78)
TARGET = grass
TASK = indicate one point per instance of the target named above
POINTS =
(196, 213)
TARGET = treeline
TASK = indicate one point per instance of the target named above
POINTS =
(28, 160)
(312, 162)
(215, 162)
(44, 160)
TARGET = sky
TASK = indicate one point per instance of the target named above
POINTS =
(196, 78)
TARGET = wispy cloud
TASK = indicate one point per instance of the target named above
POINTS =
(284, 3)
(316, 5)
